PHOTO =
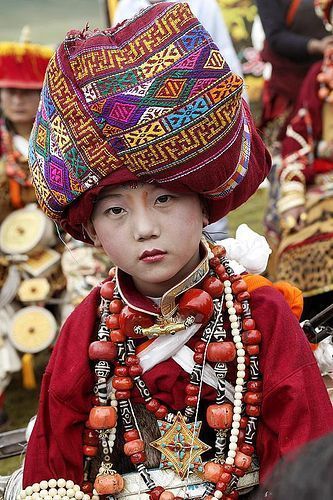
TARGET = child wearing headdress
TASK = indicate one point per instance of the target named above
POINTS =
(172, 376)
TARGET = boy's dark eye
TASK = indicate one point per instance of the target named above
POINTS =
(164, 198)
(115, 210)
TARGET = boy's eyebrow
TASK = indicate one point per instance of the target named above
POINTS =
(108, 195)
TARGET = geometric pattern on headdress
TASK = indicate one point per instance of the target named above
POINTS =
(154, 99)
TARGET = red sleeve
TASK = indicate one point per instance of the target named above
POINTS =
(55, 446)
(296, 407)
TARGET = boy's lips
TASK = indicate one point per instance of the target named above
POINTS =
(154, 255)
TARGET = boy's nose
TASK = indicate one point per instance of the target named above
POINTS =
(145, 226)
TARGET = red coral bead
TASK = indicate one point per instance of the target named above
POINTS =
(212, 471)
(112, 272)
(249, 324)
(253, 398)
(191, 400)
(252, 350)
(135, 371)
(122, 395)
(251, 337)
(239, 472)
(129, 319)
(87, 487)
(117, 336)
(219, 416)
(227, 468)
(254, 385)
(107, 290)
(198, 358)
(156, 493)
(90, 451)
(116, 306)
(138, 458)
(214, 262)
(197, 303)
(200, 346)
(218, 251)
(252, 411)
(153, 405)
(132, 447)
(121, 371)
(213, 286)
(238, 307)
(112, 321)
(161, 412)
(243, 296)
(102, 417)
(247, 449)
(233, 495)
(221, 486)
(242, 461)
(104, 350)
(192, 390)
(90, 437)
(131, 435)
(122, 383)
(132, 360)
(239, 286)
(225, 477)
(243, 422)
(221, 352)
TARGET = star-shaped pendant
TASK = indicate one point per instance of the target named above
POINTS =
(180, 446)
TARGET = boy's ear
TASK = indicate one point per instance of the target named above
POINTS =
(90, 230)
(205, 218)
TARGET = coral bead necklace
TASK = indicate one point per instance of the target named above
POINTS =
(181, 449)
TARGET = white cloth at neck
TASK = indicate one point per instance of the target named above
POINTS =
(21, 145)
(173, 346)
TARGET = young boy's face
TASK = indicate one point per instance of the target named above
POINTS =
(150, 233)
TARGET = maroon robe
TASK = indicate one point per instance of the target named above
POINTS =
(295, 408)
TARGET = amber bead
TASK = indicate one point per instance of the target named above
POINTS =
(197, 303)
(252, 350)
(249, 324)
(129, 319)
(107, 290)
(121, 371)
(135, 371)
(117, 336)
(221, 352)
(242, 461)
(104, 350)
(87, 487)
(102, 417)
(121, 395)
(253, 398)
(221, 485)
(252, 411)
(191, 400)
(247, 449)
(239, 286)
(156, 493)
(198, 358)
(218, 251)
(167, 495)
(219, 416)
(192, 390)
(112, 321)
(132, 360)
(109, 484)
(116, 306)
(200, 346)
(122, 383)
(161, 412)
(90, 437)
(254, 385)
(212, 471)
(251, 337)
(225, 477)
(213, 286)
(138, 458)
(131, 435)
(243, 296)
(153, 405)
(135, 446)
(90, 451)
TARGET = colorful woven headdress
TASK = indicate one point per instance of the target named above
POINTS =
(23, 64)
(151, 100)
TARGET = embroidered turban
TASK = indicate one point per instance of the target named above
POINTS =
(151, 100)
(23, 65)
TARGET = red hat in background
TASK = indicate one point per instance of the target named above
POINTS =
(151, 100)
(23, 64)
